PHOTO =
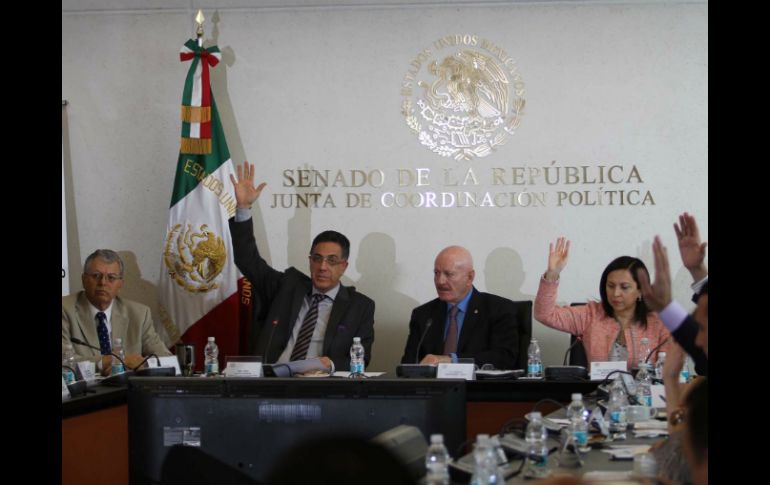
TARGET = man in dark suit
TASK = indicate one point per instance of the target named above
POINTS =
(462, 322)
(301, 317)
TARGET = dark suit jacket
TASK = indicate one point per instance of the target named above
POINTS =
(489, 334)
(279, 297)
(685, 337)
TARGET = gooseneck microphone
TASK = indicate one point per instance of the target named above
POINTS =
(80, 342)
(113, 380)
(578, 340)
(273, 324)
(428, 323)
(154, 371)
(647, 360)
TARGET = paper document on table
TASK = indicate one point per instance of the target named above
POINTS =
(625, 452)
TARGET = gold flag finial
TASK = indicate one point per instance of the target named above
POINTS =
(199, 20)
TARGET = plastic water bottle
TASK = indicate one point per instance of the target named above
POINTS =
(659, 365)
(211, 358)
(117, 349)
(644, 351)
(644, 385)
(576, 407)
(578, 429)
(684, 374)
(356, 357)
(437, 462)
(535, 435)
(500, 457)
(534, 363)
(68, 359)
(617, 406)
(485, 471)
(577, 414)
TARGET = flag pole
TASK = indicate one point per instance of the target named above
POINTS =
(199, 31)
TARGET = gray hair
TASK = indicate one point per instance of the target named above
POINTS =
(108, 255)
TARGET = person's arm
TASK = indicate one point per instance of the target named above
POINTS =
(671, 370)
(415, 332)
(265, 279)
(691, 249)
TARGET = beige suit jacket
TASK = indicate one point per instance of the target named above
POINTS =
(130, 321)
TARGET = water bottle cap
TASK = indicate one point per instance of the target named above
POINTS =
(357, 339)
(211, 339)
(645, 340)
(118, 341)
(437, 439)
(576, 396)
(535, 415)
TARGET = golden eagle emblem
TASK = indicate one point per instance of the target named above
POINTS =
(194, 259)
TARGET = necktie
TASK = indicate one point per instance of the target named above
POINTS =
(104, 334)
(450, 344)
(306, 330)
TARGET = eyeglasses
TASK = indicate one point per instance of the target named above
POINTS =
(332, 260)
(111, 277)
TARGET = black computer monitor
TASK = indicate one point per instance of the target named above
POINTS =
(248, 423)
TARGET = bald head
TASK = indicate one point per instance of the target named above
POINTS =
(453, 274)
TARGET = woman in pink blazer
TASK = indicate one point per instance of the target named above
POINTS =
(611, 329)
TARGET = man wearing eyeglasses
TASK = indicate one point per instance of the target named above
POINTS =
(300, 317)
(97, 315)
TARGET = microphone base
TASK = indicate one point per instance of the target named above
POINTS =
(416, 371)
(118, 379)
(77, 388)
(566, 373)
(156, 372)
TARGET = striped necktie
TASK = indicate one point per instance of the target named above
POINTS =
(306, 330)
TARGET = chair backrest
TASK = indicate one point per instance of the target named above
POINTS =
(524, 317)
(578, 354)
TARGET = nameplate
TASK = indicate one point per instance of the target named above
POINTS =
(65, 392)
(599, 370)
(167, 361)
(87, 370)
(456, 371)
(243, 369)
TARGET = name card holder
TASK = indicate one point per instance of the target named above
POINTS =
(456, 371)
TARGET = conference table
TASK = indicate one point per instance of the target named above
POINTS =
(95, 446)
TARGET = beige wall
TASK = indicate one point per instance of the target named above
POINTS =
(606, 84)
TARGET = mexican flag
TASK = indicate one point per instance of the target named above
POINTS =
(199, 284)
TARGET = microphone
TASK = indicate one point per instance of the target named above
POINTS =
(274, 324)
(647, 360)
(569, 349)
(154, 371)
(566, 372)
(428, 323)
(113, 380)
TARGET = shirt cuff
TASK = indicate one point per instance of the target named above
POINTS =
(673, 315)
(699, 284)
(454, 358)
(242, 214)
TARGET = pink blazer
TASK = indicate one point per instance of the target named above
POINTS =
(599, 330)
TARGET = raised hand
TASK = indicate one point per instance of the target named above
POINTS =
(691, 249)
(557, 258)
(657, 296)
(245, 192)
